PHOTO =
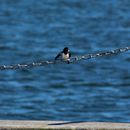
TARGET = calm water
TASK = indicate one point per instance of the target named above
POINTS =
(92, 90)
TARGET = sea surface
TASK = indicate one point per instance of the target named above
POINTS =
(89, 90)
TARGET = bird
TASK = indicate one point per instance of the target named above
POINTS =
(64, 55)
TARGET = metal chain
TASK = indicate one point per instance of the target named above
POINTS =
(100, 54)
(73, 59)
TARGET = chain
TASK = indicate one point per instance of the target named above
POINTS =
(100, 54)
(73, 59)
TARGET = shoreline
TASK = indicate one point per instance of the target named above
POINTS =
(51, 125)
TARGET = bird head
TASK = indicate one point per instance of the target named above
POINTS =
(66, 50)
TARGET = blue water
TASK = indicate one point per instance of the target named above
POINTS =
(92, 90)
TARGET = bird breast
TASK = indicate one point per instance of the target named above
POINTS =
(65, 56)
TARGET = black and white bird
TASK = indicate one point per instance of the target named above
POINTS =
(64, 55)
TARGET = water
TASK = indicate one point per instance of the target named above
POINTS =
(92, 90)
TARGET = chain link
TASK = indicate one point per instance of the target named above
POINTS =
(73, 59)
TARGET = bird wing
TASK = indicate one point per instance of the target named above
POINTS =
(69, 54)
(58, 56)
